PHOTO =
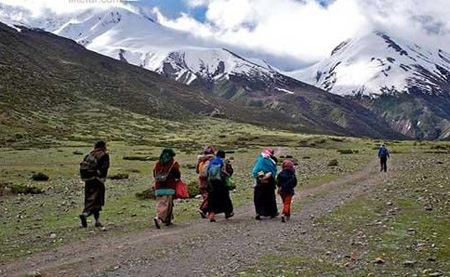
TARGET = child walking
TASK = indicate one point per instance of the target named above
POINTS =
(286, 182)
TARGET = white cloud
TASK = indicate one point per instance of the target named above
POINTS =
(307, 31)
(43, 7)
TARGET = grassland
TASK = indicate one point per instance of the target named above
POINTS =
(33, 223)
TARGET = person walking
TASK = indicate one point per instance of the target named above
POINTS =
(286, 182)
(202, 171)
(166, 174)
(219, 200)
(93, 171)
(264, 172)
(383, 155)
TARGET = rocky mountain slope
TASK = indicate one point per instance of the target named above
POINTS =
(45, 77)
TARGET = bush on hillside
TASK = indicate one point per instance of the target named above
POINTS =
(333, 162)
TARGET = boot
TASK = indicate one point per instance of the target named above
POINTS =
(83, 218)
(97, 219)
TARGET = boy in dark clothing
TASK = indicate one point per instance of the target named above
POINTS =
(94, 189)
(383, 155)
(286, 182)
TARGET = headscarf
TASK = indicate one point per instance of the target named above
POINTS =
(100, 146)
(267, 152)
(289, 165)
(208, 150)
(166, 155)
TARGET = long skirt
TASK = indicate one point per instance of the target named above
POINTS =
(264, 199)
(94, 196)
(205, 194)
(164, 208)
(219, 198)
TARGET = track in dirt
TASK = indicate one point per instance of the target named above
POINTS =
(198, 248)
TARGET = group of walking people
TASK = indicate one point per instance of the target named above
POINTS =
(214, 183)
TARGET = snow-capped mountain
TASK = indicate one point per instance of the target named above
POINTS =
(376, 63)
(131, 36)
(216, 65)
(120, 33)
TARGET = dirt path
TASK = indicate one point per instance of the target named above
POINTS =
(199, 248)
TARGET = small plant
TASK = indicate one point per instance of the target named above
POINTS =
(40, 177)
(119, 176)
(22, 189)
(345, 151)
(146, 194)
(333, 162)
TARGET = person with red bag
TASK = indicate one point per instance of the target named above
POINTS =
(166, 174)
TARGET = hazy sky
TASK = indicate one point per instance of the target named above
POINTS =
(289, 33)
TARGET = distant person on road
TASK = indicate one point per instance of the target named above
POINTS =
(219, 200)
(286, 182)
(202, 171)
(166, 173)
(93, 171)
(383, 155)
(264, 172)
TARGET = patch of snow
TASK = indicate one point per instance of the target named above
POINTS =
(285, 90)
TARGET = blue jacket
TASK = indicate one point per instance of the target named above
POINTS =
(287, 181)
(265, 165)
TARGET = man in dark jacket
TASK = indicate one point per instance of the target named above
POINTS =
(94, 189)
(383, 155)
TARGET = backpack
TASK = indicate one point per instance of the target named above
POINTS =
(88, 167)
(383, 152)
(215, 172)
(203, 169)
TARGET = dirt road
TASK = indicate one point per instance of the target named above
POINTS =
(201, 248)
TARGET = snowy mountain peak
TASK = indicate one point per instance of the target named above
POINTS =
(213, 64)
(377, 63)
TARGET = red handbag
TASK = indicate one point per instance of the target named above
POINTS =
(181, 190)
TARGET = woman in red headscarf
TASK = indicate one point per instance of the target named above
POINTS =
(264, 172)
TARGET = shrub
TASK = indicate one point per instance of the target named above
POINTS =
(40, 177)
(5, 188)
(140, 158)
(119, 176)
(345, 151)
(333, 162)
(146, 194)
